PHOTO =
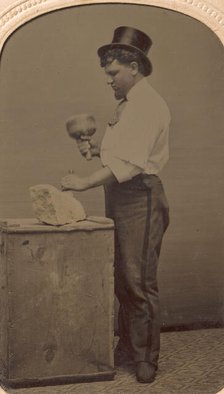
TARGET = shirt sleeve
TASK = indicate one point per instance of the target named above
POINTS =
(136, 135)
(122, 170)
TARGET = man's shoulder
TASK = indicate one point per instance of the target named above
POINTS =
(149, 99)
(154, 94)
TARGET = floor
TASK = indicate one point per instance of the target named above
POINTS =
(191, 362)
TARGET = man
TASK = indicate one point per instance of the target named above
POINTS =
(133, 151)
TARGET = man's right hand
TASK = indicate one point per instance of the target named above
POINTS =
(88, 144)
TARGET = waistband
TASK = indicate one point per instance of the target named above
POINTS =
(138, 182)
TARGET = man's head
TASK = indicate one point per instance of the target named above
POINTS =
(123, 69)
(125, 59)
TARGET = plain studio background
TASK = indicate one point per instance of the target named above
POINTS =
(50, 70)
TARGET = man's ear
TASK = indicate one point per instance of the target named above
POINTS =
(134, 68)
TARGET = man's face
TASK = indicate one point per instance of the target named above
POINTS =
(120, 78)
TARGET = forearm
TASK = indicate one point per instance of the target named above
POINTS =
(104, 176)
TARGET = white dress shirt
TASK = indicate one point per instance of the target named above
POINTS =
(138, 142)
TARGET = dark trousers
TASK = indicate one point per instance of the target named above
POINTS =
(140, 212)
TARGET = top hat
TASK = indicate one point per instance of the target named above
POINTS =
(133, 40)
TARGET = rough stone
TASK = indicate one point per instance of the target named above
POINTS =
(52, 206)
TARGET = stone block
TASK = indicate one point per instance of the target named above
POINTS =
(52, 206)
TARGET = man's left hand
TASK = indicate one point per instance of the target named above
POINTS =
(73, 182)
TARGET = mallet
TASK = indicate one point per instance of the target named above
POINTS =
(79, 126)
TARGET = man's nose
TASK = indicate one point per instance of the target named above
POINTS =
(109, 80)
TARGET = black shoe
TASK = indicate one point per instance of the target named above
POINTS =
(145, 372)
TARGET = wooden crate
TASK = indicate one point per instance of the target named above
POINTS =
(56, 302)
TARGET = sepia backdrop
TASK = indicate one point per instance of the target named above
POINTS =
(49, 70)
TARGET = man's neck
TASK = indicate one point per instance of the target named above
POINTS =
(138, 78)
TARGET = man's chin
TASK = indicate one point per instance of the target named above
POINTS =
(118, 95)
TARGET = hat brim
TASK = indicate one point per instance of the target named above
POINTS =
(145, 60)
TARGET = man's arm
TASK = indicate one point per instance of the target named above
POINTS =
(104, 176)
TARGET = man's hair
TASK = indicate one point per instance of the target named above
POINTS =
(124, 56)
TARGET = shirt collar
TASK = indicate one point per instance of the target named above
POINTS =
(137, 88)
